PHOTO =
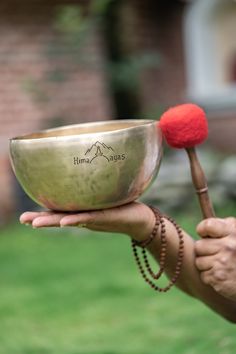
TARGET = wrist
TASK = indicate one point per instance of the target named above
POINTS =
(144, 227)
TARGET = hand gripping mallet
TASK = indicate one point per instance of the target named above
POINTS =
(185, 126)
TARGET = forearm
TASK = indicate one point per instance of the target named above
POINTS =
(189, 280)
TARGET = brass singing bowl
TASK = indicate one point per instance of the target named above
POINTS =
(88, 166)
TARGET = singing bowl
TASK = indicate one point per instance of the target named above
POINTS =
(88, 166)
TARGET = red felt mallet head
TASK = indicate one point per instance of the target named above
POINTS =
(185, 126)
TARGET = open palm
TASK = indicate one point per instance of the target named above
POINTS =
(135, 219)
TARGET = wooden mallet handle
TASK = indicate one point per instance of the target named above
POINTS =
(200, 184)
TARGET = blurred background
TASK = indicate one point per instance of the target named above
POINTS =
(65, 62)
(70, 61)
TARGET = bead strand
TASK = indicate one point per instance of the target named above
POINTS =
(159, 222)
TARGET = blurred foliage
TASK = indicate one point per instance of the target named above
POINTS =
(73, 29)
(31, 85)
(126, 73)
(74, 26)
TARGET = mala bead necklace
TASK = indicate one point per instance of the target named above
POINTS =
(144, 266)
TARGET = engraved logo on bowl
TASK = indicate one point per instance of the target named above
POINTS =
(99, 150)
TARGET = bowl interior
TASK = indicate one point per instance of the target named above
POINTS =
(86, 128)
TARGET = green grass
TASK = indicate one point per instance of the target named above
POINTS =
(78, 292)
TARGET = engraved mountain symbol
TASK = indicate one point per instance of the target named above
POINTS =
(98, 149)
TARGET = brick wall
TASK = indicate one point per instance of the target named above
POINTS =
(29, 98)
(156, 26)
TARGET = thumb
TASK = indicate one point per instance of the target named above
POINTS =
(213, 227)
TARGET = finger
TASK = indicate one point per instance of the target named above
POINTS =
(207, 278)
(48, 220)
(124, 219)
(213, 227)
(231, 222)
(207, 247)
(29, 216)
(215, 278)
(85, 218)
(204, 263)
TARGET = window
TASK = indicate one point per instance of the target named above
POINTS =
(210, 43)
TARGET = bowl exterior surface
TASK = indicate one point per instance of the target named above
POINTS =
(88, 171)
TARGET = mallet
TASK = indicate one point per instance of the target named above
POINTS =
(185, 126)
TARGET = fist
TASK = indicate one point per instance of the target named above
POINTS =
(216, 255)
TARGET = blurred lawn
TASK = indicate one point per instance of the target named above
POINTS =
(78, 292)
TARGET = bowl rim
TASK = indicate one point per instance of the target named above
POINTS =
(28, 137)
